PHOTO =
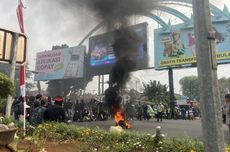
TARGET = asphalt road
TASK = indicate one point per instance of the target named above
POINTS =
(171, 128)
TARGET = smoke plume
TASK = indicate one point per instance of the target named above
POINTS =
(115, 15)
(115, 12)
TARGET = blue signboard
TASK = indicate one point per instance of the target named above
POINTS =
(177, 48)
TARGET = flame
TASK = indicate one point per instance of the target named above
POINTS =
(120, 117)
(128, 125)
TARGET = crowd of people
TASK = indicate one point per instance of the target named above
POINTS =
(143, 111)
(41, 108)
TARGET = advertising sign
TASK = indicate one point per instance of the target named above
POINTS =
(177, 48)
(60, 64)
(6, 44)
(101, 55)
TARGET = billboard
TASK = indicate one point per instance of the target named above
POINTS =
(101, 57)
(177, 48)
(6, 45)
(60, 64)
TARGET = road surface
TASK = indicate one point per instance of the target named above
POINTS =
(171, 128)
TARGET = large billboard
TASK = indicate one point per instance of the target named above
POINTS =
(177, 48)
(101, 56)
(60, 64)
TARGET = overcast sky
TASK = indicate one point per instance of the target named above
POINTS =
(52, 22)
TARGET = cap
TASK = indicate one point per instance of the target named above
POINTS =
(58, 99)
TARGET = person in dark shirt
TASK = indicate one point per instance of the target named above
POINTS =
(37, 115)
(139, 111)
(18, 107)
(55, 112)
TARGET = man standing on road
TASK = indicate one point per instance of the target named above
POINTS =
(160, 110)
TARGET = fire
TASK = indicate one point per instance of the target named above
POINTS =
(120, 120)
(118, 117)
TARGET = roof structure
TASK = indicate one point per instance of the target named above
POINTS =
(217, 16)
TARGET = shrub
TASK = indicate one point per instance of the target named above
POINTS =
(6, 86)
(2, 105)
(111, 142)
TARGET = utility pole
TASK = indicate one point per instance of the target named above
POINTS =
(207, 77)
(12, 72)
(136, 90)
(171, 92)
(102, 85)
(99, 86)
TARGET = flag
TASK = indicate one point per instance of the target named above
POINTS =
(19, 11)
(20, 15)
(22, 81)
(22, 68)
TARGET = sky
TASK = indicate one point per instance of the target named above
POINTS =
(53, 22)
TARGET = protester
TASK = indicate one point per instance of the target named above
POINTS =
(55, 112)
(38, 97)
(160, 110)
(37, 115)
(31, 102)
(224, 114)
(68, 108)
(145, 112)
(183, 113)
(77, 114)
(18, 107)
(139, 111)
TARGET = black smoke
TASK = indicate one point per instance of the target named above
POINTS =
(115, 14)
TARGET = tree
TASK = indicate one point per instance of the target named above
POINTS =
(134, 95)
(189, 87)
(6, 86)
(156, 92)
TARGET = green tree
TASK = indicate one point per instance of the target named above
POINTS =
(189, 87)
(134, 95)
(6, 86)
(156, 92)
